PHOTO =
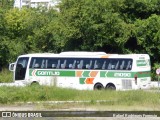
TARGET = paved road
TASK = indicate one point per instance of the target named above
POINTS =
(80, 118)
(32, 107)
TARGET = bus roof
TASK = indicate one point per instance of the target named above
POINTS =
(81, 53)
(85, 54)
(39, 55)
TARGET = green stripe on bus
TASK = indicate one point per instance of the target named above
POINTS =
(67, 73)
(86, 74)
(116, 74)
(124, 74)
(141, 63)
(71, 73)
(51, 73)
(82, 80)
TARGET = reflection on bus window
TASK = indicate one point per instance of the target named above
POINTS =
(21, 68)
(81, 63)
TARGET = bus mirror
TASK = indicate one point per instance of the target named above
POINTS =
(11, 66)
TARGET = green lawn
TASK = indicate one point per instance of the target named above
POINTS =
(126, 100)
(137, 100)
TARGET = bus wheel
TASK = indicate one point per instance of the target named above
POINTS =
(110, 86)
(34, 83)
(98, 86)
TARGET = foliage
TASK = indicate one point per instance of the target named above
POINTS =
(6, 4)
(6, 76)
(92, 25)
(148, 35)
(139, 9)
(112, 26)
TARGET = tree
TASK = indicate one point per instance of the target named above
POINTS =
(17, 28)
(148, 37)
(113, 26)
(43, 37)
(6, 4)
(92, 25)
(139, 9)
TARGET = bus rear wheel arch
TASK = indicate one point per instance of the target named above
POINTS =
(98, 86)
(110, 86)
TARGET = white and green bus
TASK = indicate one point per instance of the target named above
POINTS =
(84, 70)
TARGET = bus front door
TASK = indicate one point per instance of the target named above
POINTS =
(21, 67)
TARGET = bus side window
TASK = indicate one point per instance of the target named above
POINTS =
(78, 66)
(49, 65)
(90, 64)
(128, 65)
(74, 64)
(95, 65)
(87, 66)
(58, 65)
(70, 63)
(63, 66)
(104, 65)
(46, 61)
(122, 65)
(109, 66)
(117, 65)
(43, 63)
(36, 65)
(113, 67)
(53, 65)
(125, 64)
(81, 64)
(33, 64)
(70, 66)
(98, 64)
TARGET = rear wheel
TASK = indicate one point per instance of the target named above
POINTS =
(110, 86)
(98, 86)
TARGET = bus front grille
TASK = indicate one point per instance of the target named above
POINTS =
(126, 84)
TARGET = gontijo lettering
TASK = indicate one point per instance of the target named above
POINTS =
(47, 73)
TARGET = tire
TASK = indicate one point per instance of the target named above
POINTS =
(110, 86)
(34, 84)
(98, 86)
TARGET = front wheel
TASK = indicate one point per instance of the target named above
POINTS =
(98, 86)
(34, 83)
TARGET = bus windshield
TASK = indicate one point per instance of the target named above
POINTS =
(21, 67)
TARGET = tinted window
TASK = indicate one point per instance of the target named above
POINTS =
(21, 67)
(81, 63)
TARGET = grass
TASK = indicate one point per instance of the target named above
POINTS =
(6, 76)
(138, 99)
(141, 98)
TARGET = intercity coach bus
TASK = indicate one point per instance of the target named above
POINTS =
(84, 70)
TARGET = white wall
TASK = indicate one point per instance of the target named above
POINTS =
(34, 3)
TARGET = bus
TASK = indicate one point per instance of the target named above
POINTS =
(84, 70)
